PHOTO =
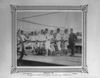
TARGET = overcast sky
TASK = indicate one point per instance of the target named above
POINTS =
(38, 20)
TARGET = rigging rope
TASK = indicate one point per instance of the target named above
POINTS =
(40, 15)
(43, 24)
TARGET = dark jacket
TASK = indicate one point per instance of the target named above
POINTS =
(72, 39)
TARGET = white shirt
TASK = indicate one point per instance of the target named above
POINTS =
(33, 38)
(47, 43)
(47, 36)
(51, 37)
(36, 37)
(23, 37)
(58, 36)
(43, 37)
(65, 36)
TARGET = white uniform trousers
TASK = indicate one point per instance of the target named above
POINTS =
(52, 47)
(59, 45)
(33, 45)
(65, 45)
(47, 45)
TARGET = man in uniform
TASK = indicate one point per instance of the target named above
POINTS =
(58, 40)
(28, 44)
(41, 38)
(25, 40)
(33, 41)
(37, 42)
(22, 35)
(72, 39)
(47, 43)
(52, 49)
(65, 38)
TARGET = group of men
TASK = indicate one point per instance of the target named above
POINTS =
(48, 41)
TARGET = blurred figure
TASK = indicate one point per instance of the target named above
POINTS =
(37, 39)
(65, 38)
(25, 40)
(27, 44)
(72, 39)
(44, 39)
(41, 38)
(23, 36)
(19, 46)
(52, 49)
(27, 37)
(58, 39)
(47, 43)
(33, 42)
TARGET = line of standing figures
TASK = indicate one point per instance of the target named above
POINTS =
(47, 43)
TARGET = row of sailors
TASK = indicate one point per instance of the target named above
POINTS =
(45, 40)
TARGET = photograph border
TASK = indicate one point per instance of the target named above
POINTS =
(83, 68)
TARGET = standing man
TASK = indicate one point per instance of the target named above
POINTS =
(41, 38)
(72, 39)
(33, 42)
(51, 42)
(58, 40)
(37, 42)
(47, 43)
(65, 38)
(23, 37)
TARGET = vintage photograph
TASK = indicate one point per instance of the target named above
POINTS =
(49, 38)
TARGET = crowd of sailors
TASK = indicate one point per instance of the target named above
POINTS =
(47, 42)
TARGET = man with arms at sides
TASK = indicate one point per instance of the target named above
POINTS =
(72, 40)
(65, 38)
(58, 40)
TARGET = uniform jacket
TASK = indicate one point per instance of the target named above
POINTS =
(72, 39)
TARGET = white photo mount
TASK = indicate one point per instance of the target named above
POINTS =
(16, 69)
